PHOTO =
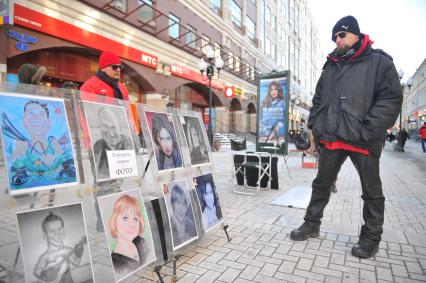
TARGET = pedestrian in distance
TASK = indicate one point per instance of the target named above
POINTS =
(357, 97)
(422, 134)
(403, 135)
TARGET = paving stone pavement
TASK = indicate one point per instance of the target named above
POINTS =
(260, 249)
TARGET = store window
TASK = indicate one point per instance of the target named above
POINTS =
(173, 26)
(235, 13)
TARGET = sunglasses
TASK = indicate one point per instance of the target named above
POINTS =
(116, 67)
(341, 34)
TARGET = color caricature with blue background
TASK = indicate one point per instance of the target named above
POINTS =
(272, 119)
(37, 143)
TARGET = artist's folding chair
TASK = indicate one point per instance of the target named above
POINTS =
(251, 172)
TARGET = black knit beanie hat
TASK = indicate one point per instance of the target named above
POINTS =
(348, 23)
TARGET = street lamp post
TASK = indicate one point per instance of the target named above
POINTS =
(209, 67)
(401, 74)
(409, 84)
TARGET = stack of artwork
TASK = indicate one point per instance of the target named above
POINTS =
(40, 154)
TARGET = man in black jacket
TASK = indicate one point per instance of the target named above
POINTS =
(357, 98)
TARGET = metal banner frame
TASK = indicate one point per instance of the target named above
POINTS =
(272, 120)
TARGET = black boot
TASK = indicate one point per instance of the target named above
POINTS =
(305, 232)
(365, 248)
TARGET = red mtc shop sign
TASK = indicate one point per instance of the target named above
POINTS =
(43, 23)
(187, 73)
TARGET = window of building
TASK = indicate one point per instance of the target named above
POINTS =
(250, 28)
(190, 36)
(237, 65)
(252, 73)
(273, 51)
(173, 26)
(261, 23)
(231, 60)
(204, 42)
(146, 13)
(267, 46)
(217, 50)
(280, 31)
(268, 15)
(274, 22)
(119, 5)
(279, 58)
(216, 6)
(235, 13)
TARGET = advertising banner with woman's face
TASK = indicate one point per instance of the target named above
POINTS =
(272, 105)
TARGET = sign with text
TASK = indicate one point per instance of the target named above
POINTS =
(43, 23)
(122, 163)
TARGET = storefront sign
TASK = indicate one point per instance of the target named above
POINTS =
(229, 91)
(187, 73)
(122, 163)
(23, 39)
(45, 24)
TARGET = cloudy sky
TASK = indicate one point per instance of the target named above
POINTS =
(396, 26)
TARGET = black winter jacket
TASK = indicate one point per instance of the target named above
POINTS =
(356, 100)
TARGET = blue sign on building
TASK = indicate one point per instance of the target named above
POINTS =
(23, 39)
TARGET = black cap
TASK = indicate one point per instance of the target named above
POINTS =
(348, 23)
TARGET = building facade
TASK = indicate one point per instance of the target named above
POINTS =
(414, 105)
(161, 43)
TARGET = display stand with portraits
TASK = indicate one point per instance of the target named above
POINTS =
(71, 164)
(176, 134)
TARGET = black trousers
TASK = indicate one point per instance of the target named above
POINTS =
(330, 162)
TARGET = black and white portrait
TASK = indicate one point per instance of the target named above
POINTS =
(54, 245)
(208, 200)
(195, 140)
(181, 214)
(109, 131)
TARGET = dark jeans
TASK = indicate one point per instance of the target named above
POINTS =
(330, 162)
(424, 145)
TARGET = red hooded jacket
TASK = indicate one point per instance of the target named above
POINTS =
(422, 132)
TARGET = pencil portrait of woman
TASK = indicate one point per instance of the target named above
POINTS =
(130, 250)
(167, 149)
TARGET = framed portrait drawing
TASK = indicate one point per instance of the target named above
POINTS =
(165, 143)
(37, 143)
(111, 140)
(195, 139)
(272, 121)
(180, 212)
(128, 232)
(208, 200)
(54, 244)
